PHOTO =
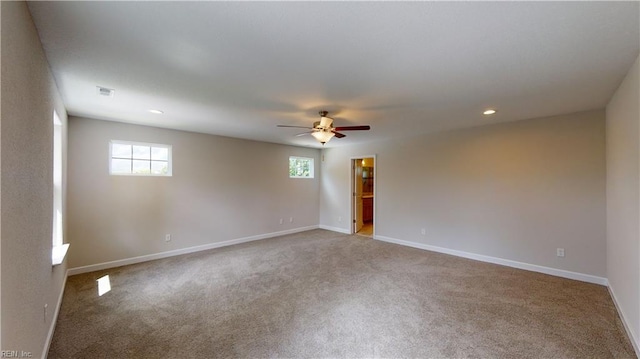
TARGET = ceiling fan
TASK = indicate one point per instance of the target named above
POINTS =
(323, 130)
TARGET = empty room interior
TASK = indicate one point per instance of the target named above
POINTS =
(320, 179)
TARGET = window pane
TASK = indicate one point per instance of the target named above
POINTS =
(292, 167)
(300, 167)
(142, 152)
(159, 167)
(141, 167)
(142, 159)
(159, 153)
(120, 166)
(119, 150)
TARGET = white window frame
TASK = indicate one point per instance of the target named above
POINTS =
(58, 247)
(145, 144)
(311, 166)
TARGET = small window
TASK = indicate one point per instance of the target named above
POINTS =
(300, 167)
(139, 159)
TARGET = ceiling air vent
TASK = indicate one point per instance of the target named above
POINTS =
(103, 91)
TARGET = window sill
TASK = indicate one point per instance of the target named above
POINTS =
(58, 253)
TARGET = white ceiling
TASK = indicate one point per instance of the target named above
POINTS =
(238, 69)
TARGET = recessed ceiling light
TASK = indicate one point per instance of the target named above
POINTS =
(157, 112)
(489, 112)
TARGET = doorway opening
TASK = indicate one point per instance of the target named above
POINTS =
(363, 195)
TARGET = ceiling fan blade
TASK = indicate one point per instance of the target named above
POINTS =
(339, 135)
(304, 133)
(295, 126)
(353, 128)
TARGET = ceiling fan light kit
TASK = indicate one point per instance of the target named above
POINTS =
(323, 136)
(323, 130)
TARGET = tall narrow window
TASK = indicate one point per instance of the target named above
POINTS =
(57, 180)
(59, 249)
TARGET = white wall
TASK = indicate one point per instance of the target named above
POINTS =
(29, 97)
(221, 189)
(515, 191)
(623, 200)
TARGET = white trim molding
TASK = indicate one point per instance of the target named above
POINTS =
(58, 253)
(635, 341)
(335, 229)
(352, 190)
(54, 318)
(177, 252)
(505, 262)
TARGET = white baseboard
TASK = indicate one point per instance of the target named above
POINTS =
(177, 252)
(505, 262)
(632, 336)
(54, 318)
(335, 229)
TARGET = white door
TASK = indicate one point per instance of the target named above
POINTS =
(357, 195)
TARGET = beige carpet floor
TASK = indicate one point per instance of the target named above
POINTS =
(320, 294)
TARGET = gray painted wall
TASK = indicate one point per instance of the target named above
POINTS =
(221, 189)
(623, 199)
(515, 191)
(29, 97)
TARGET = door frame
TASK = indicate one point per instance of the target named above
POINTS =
(352, 189)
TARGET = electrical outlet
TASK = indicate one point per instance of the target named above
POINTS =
(560, 252)
(281, 221)
(423, 231)
(339, 219)
(290, 219)
(46, 306)
(167, 238)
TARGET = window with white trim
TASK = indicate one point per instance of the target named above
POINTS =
(59, 248)
(139, 159)
(300, 167)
